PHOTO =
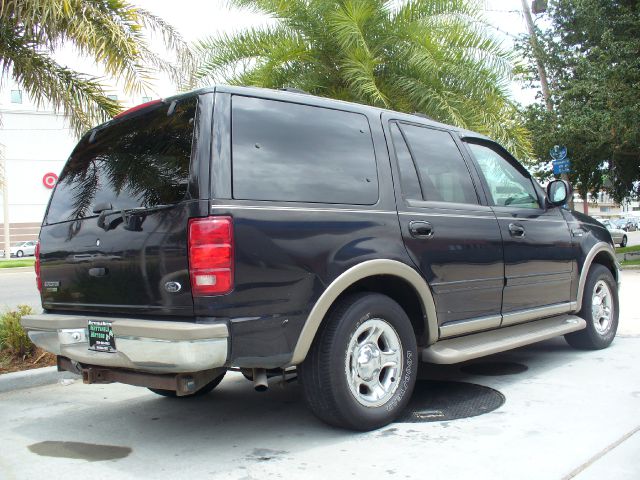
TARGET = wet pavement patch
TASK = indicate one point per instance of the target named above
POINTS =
(491, 369)
(436, 401)
(266, 454)
(84, 451)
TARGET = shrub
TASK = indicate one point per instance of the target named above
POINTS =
(13, 339)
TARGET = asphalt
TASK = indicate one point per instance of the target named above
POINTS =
(18, 287)
(567, 414)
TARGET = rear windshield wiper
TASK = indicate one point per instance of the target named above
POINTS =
(105, 209)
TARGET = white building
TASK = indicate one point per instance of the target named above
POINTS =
(602, 205)
(35, 143)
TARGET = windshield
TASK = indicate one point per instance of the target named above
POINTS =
(138, 162)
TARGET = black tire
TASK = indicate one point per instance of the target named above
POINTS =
(623, 243)
(19, 254)
(203, 391)
(323, 375)
(592, 337)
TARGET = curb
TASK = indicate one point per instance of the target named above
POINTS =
(36, 377)
(16, 269)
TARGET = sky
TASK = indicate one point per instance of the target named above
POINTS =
(196, 19)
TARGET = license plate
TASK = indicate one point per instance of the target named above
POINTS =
(101, 338)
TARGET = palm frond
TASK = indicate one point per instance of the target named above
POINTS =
(434, 56)
(112, 32)
(80, 97)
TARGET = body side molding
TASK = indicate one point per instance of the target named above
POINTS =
(596, 249)
(358, 272)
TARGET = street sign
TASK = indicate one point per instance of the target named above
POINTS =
(558, 152)
(561, 166)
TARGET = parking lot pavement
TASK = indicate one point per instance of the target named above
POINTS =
(633, 238)
(560, 415)
(18, 287)
(566, 414)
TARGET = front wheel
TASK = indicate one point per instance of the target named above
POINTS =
(362, 367)
(19, 254)
(600, 310)
(203, 391)
(623, 243)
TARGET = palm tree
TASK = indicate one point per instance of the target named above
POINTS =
(113, 32)
(436, 57)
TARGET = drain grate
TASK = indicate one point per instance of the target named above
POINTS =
(435, 401)
(494, 369)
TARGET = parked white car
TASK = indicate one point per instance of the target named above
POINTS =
(619, 236)
(21, 249)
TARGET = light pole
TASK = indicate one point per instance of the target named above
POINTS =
(5, 201)
(542, 71)
(535, 46)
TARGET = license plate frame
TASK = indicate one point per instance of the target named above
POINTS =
(101, 337)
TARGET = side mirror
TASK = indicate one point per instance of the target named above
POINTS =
(558, 192)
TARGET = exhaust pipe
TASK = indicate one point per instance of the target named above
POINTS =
(260, 379)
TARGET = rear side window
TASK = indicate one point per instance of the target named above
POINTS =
(138, 162)
(444, 175)
(408, 176)
(297, 153)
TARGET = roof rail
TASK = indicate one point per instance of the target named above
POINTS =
(294, 90)
(423, 115)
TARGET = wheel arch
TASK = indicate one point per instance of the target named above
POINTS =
(373, 275)
(603, 254)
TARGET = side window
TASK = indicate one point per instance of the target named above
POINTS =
(444, 176)
(298, 153)
(409, 182)
(507, 185)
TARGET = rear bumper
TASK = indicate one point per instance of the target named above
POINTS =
(146, 345)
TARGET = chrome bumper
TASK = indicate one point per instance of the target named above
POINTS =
(147, 345)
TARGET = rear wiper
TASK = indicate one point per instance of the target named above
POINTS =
(102, 208)
(134, 210)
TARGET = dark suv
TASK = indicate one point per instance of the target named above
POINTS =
(276, 233)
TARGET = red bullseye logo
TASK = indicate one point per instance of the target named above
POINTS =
(49, 180)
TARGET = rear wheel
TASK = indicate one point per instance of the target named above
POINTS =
(362, 367)
(623, 243)
(19, 254)
(599, 309)
(203, 391)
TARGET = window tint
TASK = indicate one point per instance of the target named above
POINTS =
(138, 162)
(408, 176)
(289, 152)
(443, 173)
(507, 185)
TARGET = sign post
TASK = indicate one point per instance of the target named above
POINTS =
(561, 164)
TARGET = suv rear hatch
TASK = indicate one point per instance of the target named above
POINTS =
(114, 238)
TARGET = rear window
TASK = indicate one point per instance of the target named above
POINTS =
(298, 153)
(138, 162)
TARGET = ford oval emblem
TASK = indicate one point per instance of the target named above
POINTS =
(98, 242)
(172, 287)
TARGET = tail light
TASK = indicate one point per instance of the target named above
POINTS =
(37, 266)
(211, 255)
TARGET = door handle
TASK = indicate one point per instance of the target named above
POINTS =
(516, 230)
(420, 229)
